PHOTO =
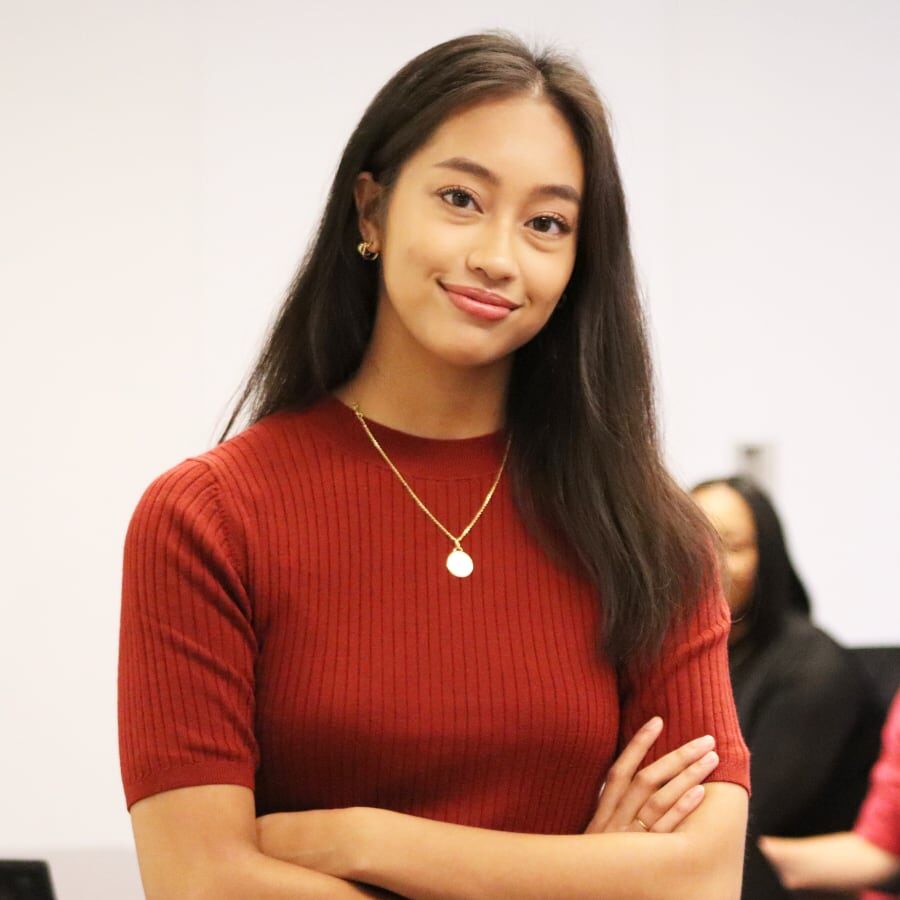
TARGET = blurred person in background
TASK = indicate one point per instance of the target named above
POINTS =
(806, 709)
(866, 857)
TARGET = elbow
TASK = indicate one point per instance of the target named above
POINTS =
(715, 883)
(712, 855)
(727, 888)
(717, 887)
(726, 882)
(706, 875)
(225, 879)
(723, 878)
(192, 885)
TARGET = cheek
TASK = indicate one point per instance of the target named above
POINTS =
(743, 568)
(419, 249)
(547, 271)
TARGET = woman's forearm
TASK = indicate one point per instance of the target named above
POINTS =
(428, 860)
(837, 862)
(252, 874)
(264, 878)
(425, 859)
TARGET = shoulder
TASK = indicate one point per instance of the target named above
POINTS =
(242, 478)
(806, 656)
(188, 486)
(811, 646)
(276, 442)
(279, 453)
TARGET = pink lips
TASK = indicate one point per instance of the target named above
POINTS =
(484, 304)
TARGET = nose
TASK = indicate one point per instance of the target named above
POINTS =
(492, 252)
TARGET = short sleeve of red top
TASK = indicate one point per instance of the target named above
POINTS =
(879, 818)
(187, 645)
(689, 686)
(288, 624)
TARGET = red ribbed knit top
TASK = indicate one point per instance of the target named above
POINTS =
(288, 624)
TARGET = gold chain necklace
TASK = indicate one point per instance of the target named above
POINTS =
(459, 563)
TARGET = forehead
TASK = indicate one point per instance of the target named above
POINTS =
(726, 509)
(523, 140)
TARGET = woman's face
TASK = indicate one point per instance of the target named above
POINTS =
(490, 203)
(732, 518)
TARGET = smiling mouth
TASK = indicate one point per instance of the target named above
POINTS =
(481, 304)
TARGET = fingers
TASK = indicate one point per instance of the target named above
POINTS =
(680, 811)
(669, 803)
(685, 767)
(622, 771)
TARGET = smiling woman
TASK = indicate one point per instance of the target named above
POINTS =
(496, 245)
(392, 635)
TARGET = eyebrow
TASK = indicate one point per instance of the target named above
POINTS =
(463, 164)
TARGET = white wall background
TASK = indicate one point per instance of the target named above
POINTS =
(161, 167)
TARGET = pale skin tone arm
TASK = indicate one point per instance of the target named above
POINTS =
(428, 860)
(201, 842)
(835, 862)
(695, 851)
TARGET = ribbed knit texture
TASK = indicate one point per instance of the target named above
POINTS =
(288, 624)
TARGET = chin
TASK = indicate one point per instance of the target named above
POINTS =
(467, 359)
(466, 356)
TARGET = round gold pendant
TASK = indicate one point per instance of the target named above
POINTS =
(460, 564)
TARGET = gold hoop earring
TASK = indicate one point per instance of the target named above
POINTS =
(365, 250)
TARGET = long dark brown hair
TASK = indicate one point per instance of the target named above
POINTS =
(585, 464)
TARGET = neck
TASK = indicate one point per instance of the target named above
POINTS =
(738, 632)
(413, 391)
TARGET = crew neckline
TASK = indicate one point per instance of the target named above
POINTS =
(412, 454)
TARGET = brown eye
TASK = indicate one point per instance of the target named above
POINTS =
(544, 224)
(456, 197)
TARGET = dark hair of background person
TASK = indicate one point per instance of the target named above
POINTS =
(585, 464)
(778, 588)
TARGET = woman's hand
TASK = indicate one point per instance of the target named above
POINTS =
(320, 839)
(326, 840)
(660, 796)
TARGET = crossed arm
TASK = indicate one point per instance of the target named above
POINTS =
(694, 850)
(428, 860)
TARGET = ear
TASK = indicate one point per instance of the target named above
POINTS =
(367, 193)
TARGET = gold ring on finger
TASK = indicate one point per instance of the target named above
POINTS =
(636, 819)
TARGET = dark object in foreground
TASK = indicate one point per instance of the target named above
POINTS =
(25, 879)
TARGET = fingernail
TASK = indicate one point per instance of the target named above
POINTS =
(654, 723)
(706, 741)
(711, 759)
(695, 792)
